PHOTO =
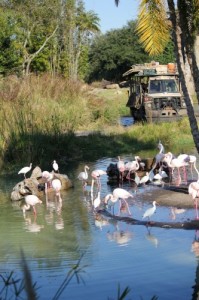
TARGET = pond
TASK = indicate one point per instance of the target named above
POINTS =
(150, 261)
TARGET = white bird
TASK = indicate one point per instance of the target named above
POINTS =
(145, 178)
(83, 176)
(96, 174)
(97, 201)
(132, 166)
(150, 211)
(121, 168)
(55, 166)
(56, 185)
(176, 163)
(31, 200)
(118, 194)
(159, 156)
(47, 176)
(25, 170)
(193, 190)
(191, 159)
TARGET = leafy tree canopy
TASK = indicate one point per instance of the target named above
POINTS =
(113, 53)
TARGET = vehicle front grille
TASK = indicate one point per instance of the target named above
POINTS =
(161, 103)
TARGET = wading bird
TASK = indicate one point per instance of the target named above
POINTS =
(150, 211)
(193, 190)
(96, 174)
(31, 200)
(55, 166)
(118, 194)
(25, 170)
(56, 185)
(83, 176)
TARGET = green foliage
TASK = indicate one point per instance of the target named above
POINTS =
(113, 53)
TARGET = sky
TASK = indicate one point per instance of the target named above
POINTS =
(111, 16)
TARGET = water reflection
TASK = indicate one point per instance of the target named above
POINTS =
(63, 230)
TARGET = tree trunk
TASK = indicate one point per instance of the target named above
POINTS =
(180, 64)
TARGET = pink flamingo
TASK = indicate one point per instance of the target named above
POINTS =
(118, 194)
(132, 166)
(96, 174)
(160, 156)
(193, 190)
(176, 163)
(121, 168)
(56, 185)
(191, 160)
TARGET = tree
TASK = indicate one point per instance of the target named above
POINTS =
(150, 33)
(113, 53)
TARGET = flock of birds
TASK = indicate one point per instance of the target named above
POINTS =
(162, 160)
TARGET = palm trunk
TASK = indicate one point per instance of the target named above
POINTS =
(181, 70)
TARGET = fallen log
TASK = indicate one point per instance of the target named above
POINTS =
(188, 225)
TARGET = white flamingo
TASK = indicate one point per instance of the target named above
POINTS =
(193, 190)
(160, 156)
(96, 174)
(121, 168)
(132, 166)
(31, 201)
(25, 170)
(191, 160)
(83, 176)
(97, 201)
(56, 185)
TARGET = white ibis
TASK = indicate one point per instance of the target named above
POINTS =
(193, 190)
(150, 211)
(25, 170)
(145, 178)
(31, 200)
(55, 166)
(83, 176)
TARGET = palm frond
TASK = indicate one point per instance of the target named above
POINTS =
(153, 26)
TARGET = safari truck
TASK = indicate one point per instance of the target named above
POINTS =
(154, 93)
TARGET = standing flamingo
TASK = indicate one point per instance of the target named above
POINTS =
(31, 200)
(160, 156)
(132, 166)
(191, 160)
(25, 170)
(56, 185)
(83, 176)
(193, 190)
(176, 163)
(47, 176)
(121, 168)
(96, 174)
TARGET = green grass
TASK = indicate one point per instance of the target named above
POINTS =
(39, 117)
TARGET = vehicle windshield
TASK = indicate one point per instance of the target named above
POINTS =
(162, 86)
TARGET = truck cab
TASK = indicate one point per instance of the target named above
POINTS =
(154, 93)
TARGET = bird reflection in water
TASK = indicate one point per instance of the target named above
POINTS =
(121, 237)
(100, 221)
(31, 225)
(176, 211)
(151, 238)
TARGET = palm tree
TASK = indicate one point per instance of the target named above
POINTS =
(153, 27)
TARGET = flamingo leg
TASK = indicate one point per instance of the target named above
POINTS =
(127, 207)
(196, 207)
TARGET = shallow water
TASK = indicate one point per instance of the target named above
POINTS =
(150, 262)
